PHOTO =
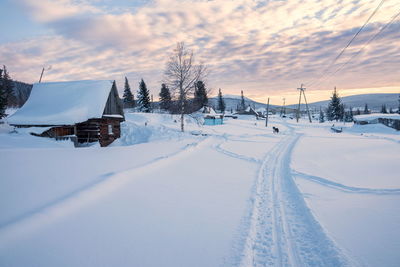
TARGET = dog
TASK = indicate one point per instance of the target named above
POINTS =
(275, 130)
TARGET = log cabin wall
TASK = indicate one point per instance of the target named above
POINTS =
(88, 131)
(105, 131)
(110, 129)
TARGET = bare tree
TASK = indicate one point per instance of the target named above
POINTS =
(181, 74)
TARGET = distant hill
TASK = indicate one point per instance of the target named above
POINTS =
(232, 102)
(374, 101)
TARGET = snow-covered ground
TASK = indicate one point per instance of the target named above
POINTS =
(227, 195)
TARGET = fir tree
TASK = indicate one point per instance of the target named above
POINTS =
(391, 110)
(3, 100)
(366, 110)
(321, 115)
(143, 97)
(129, 100)
(349, 115)
(200, 95)
(398, 108)
(335, 110)
(165, 97)
(358, 112)
(383, 109)
(8, 88)
(329, 113)
(342, 112)
(221, 102)
(242, 103)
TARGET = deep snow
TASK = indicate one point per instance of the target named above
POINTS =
(228, 195)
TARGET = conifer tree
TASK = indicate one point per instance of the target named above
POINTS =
(128, 98)
(321, 115)
(342, 113)
(391, 110)
(358, 112)
(398, 108)
(242, 103)
(349, 115)
(383, 109)
(335, 110)
(143, 97)
(366, 110)
(200, 95)
(165, 97)
(221, 102)
(8, 86)
(3, 100)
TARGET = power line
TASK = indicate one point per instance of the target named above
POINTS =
(363, 47)
(324, 72)
(369, 41)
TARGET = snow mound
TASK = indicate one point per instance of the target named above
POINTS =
(145, 127)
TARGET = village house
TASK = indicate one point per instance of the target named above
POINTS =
(83, 111)
(251, 111)
(390, 120)
(211, 117)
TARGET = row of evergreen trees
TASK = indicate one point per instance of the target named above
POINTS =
(143, 95)
(336, 110)
(166, 102)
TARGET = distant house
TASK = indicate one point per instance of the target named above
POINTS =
(250, 111)
(390, 120)
(83, 111)
(211, 117)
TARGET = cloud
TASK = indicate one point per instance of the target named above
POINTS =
(52, 10)
(260, 46)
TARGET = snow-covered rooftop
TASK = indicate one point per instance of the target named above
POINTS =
(374, 116)
(63, 103)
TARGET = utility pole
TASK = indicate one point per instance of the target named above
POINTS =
(302, 89)
(266, 117)
(41, 75)
(298, 107)
(308, 111)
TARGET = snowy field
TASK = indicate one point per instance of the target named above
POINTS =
(227, 195)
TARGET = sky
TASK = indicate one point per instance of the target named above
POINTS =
(265, 48)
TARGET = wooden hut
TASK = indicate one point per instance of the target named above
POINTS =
(83, 111)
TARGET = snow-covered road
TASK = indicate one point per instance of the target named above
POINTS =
(235, 195)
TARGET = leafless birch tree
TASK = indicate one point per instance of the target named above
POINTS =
(181, 73)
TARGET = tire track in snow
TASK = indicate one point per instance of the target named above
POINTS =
(219, 148)
(345, 188)
(87, 194)
(282, 230)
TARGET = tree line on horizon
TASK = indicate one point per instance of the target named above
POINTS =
(336, 110)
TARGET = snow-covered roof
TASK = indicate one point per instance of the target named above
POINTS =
(63, 103)
(375, 116)
(208, 110)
